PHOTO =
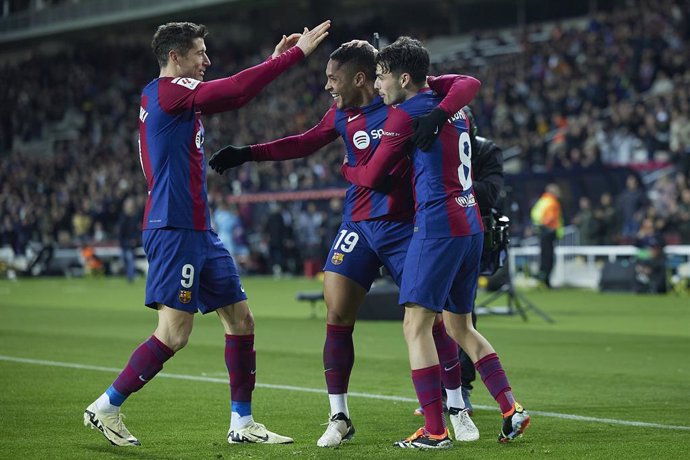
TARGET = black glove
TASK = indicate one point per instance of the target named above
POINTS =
(427, 128)
(229, 157)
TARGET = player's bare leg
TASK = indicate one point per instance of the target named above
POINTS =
(343, 298)
(240, 359)
(515, 418)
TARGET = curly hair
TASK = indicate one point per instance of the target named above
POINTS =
(357, 58)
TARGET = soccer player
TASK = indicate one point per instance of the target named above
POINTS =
(442, 262)
(487, 183)
(376, 226)
(189, 269)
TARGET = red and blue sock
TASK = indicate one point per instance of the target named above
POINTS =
(338, 358)
(146, 361)
(496, 381)
(240, 359)
(427, 385)
(447, 351)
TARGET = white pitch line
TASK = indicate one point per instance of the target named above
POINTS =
(198, 378)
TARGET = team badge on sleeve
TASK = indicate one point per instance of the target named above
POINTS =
(337, 258)
(186, 82)
(185, 296)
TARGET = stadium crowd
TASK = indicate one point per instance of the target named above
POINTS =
(613, 90)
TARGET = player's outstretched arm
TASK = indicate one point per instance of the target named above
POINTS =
(287, 148)
(459, 90)
(233, 92)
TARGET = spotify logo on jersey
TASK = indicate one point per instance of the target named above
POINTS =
(361, 140)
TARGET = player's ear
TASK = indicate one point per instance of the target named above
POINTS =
(360, 79)
(404, 79)
(174, 56)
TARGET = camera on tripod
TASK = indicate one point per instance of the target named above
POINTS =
(496, 242)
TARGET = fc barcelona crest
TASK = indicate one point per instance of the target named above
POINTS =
(337, 258)
(185, 296)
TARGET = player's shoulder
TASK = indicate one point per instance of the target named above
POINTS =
(420, 104)
(180, 82)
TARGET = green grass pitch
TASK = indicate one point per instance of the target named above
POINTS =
(610, 379)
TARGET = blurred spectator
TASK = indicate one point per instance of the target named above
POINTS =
(683, 217)
(606, 220)
(650, 263)
(586, 223)
(310, 234)
(630, 204)
(281, 241)
(224, 221)
(128, 235)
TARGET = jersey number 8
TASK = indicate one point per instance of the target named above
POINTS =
(465, 168)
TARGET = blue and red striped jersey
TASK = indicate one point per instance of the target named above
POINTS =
(171, 138)
(445, 204)
(361, 128)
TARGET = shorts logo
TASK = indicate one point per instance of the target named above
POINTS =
(361, 140)
(466, 201)
(185, 296)
(337, 258)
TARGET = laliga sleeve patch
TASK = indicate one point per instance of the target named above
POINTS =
(189, 83)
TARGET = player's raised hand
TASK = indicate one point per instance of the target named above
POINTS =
(427, 128)
(310, 39)
(229, 157)
(285, 44)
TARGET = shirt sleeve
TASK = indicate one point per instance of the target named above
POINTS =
(459, 90)
(393, 148)
(301, 145)
(227, 93)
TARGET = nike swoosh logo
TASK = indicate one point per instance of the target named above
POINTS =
(436, 130)
(349, 119)
(447, 369)
(253, 371)
(142, 379)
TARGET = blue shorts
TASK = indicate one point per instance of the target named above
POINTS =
(441, 273)
(360, 248)
(190, 270)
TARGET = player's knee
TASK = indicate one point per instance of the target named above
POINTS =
(248, 323)
(242, 325)
(177, 342)
(341, 317)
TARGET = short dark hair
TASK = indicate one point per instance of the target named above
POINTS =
(358, 58)
(405, 55)
(178, 36)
